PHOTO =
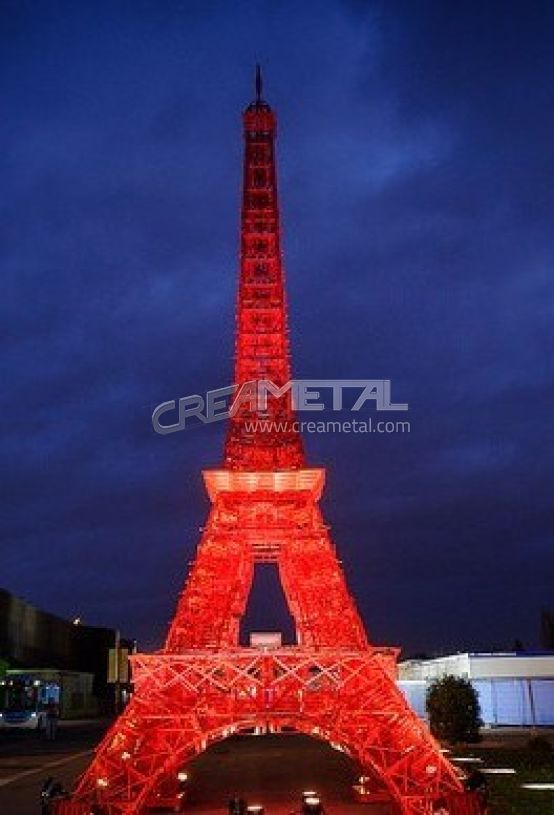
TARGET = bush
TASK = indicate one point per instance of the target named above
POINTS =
(454, 712)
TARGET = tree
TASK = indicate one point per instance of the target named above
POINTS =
(454, 712)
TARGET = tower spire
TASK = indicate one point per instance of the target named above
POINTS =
(268, 439)
(258, 84)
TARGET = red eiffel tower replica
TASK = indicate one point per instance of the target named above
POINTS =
(202, 687)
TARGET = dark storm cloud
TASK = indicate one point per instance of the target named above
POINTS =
(415, 170)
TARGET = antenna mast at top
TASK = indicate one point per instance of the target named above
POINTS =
(258, 84)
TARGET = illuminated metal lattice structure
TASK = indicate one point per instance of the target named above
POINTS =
(203, 686)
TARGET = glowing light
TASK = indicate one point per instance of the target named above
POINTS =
(125, 756)
(182, 777)
(467, 759)
(77, 621)
(498, 770)
(542, 787)
(102, 782)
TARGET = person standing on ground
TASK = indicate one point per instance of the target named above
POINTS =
(52, 716)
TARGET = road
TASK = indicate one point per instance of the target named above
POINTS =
(26, 760)
(272, 770)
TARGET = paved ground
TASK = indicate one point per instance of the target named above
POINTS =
(26, 760)
(272, 770)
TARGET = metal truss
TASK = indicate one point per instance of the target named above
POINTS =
(202, 687)
(265, 517)
(183, 703)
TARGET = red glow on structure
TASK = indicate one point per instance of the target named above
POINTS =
(202, 686)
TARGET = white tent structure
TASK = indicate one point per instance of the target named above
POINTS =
(514, 688)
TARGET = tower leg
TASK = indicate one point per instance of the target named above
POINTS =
(184, 703)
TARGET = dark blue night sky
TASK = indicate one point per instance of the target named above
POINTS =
(416, 165)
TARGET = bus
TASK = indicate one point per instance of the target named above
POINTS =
(25, 695)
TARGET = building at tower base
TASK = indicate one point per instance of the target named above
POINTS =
(514, 688)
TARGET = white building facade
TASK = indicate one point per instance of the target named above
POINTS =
(514, 689)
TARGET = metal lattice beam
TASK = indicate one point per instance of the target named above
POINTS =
(202, 687)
